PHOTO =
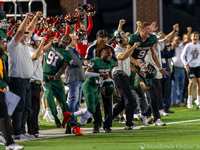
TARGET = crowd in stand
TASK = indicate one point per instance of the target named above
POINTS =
(49, 62)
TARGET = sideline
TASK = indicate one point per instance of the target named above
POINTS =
(59, 133)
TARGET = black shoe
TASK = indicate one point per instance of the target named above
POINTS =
(169, 111)
(96, 130)
(128, 128)
(16, 137)
(34, 135)
(107, 130)
(89, 120)
(68, 129)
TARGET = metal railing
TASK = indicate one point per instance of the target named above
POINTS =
(29, 4)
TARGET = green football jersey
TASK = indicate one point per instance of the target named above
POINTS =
(144, 46)
(99, 65)
(54, 59)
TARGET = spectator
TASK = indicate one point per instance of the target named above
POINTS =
(121, 76)
(5, 121)
(99, 43)
(75, 76)
(178, 79)
(83, 31)
(20, 73)
(167, 54)
(190, 58)
(36, 86)
(147, 42)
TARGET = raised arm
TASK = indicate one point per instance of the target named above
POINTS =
(189, 31)
(121, 24)
(33, 23)
(39, 51)
(169, 36)
(22, 28)
(48, 45)
(90, 25)
(129, 50)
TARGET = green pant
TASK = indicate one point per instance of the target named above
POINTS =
(55, 89)
(92, 95)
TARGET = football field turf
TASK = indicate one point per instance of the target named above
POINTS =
(177, 136)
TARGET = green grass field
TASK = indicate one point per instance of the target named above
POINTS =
(183, 136)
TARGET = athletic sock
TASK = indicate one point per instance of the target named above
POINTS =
(189, 100)
(198, 100)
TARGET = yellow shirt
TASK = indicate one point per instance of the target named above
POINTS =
(1, 68)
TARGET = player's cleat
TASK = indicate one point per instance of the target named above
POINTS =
(107, 130)
(158, 122)
(68, 129)
(77, 131)
(197, 104)
(136, 117)
(23, 137)
(66, 118)
(96, 130)
(189, 104)
(36, 135)
(128, 128)
(150, 120)
(144, 120)
(169, 111)
(14, 147)
(89, 121)
(163, 113)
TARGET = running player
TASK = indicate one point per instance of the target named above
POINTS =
(56, 59)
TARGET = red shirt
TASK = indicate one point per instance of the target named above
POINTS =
(82, 45)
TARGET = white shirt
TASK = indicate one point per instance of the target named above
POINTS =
(122, 64)
(19, 59)
(37, 67)
(191, 55)
(177, 62)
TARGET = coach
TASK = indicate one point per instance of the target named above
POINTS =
(20, 72)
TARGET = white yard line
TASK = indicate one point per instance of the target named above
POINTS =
(57, 133)
(185, 121)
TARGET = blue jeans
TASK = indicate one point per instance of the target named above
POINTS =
(178, 85)
(74, 95)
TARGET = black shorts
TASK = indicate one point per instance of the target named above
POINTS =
(194, 72)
